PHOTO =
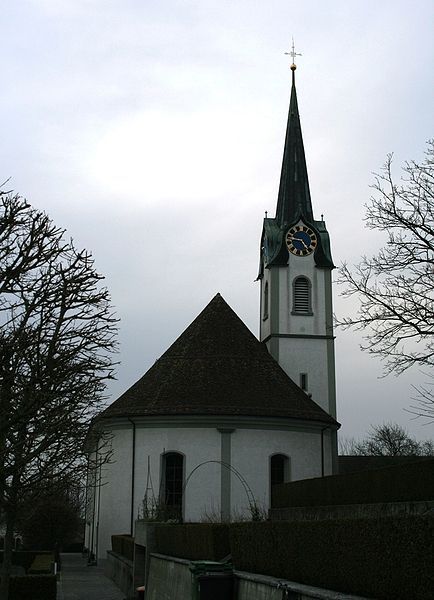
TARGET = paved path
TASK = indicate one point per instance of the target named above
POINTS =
(80, 582)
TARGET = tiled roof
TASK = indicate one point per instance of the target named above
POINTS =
(216, 367)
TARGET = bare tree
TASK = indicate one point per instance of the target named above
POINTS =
(57, 336)
(388, 439)
(395, 288)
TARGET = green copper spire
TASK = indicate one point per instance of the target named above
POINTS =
(294, 196)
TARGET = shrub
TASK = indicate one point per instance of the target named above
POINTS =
(41, 564)
(409, 482)
(25, 558)
(33, 587)
(194, 541)
(384, 558)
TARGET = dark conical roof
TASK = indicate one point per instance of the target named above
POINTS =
(294, 196)
(216, 367)
(293, 202)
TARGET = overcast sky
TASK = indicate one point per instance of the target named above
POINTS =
(153, 132)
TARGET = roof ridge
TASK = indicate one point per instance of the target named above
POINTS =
(216, 366)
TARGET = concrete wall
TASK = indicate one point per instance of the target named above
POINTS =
(170, 579)
(261, 587)
(120, 571)
(145, 545)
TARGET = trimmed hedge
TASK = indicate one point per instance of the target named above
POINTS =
(42, 564)
(410, 482)
(123, 545)
(194, 541)
(25, 558)
(384, 558)
(33, 587)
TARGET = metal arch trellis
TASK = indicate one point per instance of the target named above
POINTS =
(241, 478)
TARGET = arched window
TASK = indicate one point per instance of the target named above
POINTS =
(301, 296)
(279, 471)
(265, 301)
(173, 481)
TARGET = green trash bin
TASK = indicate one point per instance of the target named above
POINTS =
(212, 580)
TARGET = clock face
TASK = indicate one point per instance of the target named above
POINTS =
(301, 240)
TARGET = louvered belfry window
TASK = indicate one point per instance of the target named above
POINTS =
(302, 301)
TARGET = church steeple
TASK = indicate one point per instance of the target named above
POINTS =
(295, 273)
(294, 196)
(294, 205)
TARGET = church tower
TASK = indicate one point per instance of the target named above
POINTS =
(296, 321)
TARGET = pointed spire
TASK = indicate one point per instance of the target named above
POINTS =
(294, 195)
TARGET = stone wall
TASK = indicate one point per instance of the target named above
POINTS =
(261, 587)
(170, 579)
(120, 570)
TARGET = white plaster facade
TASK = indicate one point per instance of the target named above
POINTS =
(301, 343)
(215, 418)
(116, 501)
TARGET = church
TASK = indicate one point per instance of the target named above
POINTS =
(221, 417)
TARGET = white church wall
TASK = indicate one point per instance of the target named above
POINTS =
(303, 354)
(312, 324)
(115, 492)
(198, 445)
(202, 493)
(252, 450)
(329, 441)
(292, 357)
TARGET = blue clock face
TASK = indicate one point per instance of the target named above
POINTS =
(301, 240)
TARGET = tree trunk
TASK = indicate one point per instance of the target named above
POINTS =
(7, 557)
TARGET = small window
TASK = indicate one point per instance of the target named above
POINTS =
(265, 301)
(303, 381)
(301, 304)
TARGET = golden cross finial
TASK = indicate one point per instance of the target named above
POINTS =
(293, 54)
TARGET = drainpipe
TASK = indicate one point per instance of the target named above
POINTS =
(322, 450)
(86, 501)
(133, 468)
(91, 558)
(99, 505)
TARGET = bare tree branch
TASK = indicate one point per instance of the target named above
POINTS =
(57, 339)
(395, 288)
(388, 439)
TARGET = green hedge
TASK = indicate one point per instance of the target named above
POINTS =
(194, 541)
(33, 587)
(25, 558)
(410, 482)
(42, 564)
(123, 545)
(384, 558)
